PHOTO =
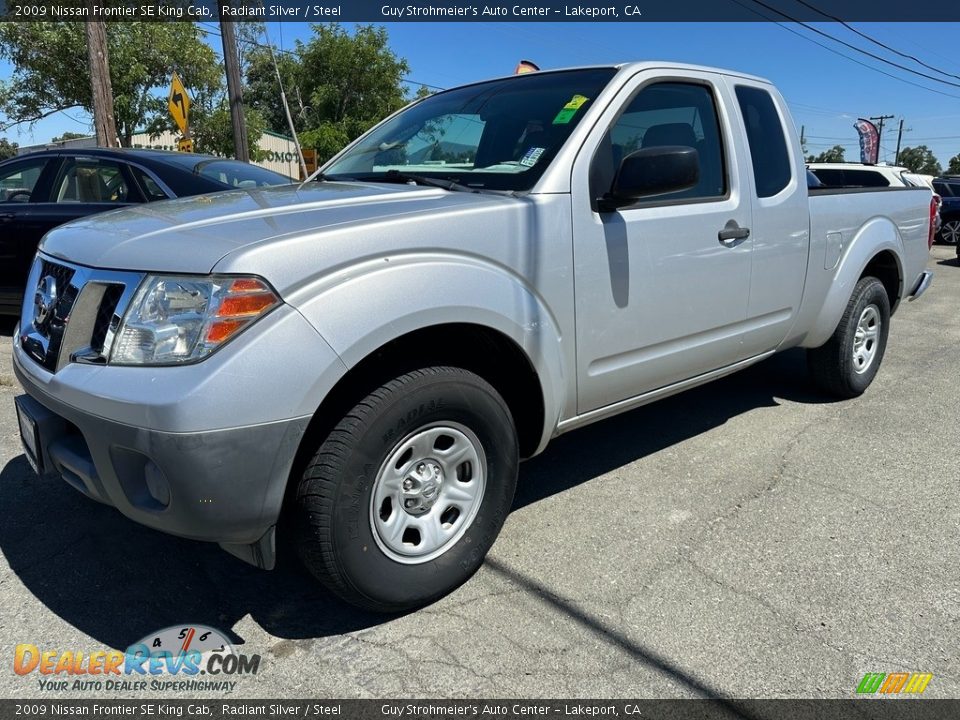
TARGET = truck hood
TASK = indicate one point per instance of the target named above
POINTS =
(190, 235)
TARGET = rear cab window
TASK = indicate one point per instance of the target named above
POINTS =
(765, 136)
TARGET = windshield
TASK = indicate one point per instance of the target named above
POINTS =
(498, 135)
(236, 174)
(229, 173)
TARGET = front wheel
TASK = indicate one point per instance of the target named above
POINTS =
(847, 363)
(403, 499)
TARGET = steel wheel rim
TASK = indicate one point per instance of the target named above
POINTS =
(951, 232)
(866, 339)
(428, 492)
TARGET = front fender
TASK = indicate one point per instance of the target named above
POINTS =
(873, 237)
(359, 309)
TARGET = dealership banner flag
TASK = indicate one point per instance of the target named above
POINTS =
(869, 141)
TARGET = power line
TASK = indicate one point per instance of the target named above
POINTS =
(857, 49)
(877, 42)
(254, 43)
(837, 52)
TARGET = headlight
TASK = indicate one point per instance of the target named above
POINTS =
(174, 320)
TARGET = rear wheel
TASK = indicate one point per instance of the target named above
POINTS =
(403, 499)
(847, 363)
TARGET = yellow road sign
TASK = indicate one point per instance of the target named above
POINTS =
(310, 159)
(185, 144)
(179, 103)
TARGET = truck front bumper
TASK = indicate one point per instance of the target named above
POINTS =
(211, 486)
(224, 486)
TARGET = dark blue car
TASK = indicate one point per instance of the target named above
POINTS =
(949, 189)
(48, 188)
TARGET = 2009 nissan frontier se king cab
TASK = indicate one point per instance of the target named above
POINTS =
(363, 359)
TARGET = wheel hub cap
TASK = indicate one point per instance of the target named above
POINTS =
(427, 492)
(865, 339)
(421, 487)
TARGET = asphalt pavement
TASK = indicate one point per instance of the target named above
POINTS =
(749, 538)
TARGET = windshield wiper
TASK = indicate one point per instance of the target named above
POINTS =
(404, 177)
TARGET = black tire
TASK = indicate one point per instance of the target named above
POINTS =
(335, 534)
(832, 365)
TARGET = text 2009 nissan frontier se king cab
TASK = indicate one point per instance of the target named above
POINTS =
(364, 358)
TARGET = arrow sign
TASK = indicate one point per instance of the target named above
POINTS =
(178, 103)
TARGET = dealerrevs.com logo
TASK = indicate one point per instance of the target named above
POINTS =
(177, 658)
(900, 683)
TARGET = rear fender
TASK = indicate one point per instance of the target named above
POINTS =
(873, 237)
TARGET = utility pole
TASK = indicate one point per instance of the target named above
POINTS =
(286, 110)
(234, 90)
(100, 87)
(880, 120)
(896, 159)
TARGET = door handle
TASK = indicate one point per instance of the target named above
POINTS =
(732, 232)
(6, 216)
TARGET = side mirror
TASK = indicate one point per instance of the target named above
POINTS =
(650, 172)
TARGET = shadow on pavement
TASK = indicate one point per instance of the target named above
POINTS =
(7, 324)
(649, 429)
(117, 581)
(722, 705)
(949, 261)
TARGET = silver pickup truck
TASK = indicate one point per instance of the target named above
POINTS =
(362, 360)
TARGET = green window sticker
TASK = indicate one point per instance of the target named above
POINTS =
(569, 110)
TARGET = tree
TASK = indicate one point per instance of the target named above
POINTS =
(920, 160)
(263, 94)
(213, 130)
(833, 155)
(954, 168)
(69, 136)
(50, 72)
(7, 149)
(338, 84)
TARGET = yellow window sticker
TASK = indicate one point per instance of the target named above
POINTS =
(569, 110)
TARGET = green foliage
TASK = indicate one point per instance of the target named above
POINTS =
(920, 160)
(833, 155)
(328, 139)
(338, 85)
(69, 136)
(954, 167)
(7, 149)
(51, 73)
(214, 131)
(262, 92)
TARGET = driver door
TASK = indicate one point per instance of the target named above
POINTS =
(662, 285)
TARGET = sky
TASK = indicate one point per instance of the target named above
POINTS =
(827, 85)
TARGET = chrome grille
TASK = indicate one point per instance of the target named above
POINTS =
(69, 311)
(105, 313)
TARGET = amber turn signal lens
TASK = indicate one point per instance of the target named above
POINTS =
(220, 330)
(241, 285)
(245, 305)
(244, 301)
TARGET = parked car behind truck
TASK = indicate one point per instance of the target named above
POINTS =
(41, 190)
(363, 360)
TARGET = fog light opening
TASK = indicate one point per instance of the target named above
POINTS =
(157, 484)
